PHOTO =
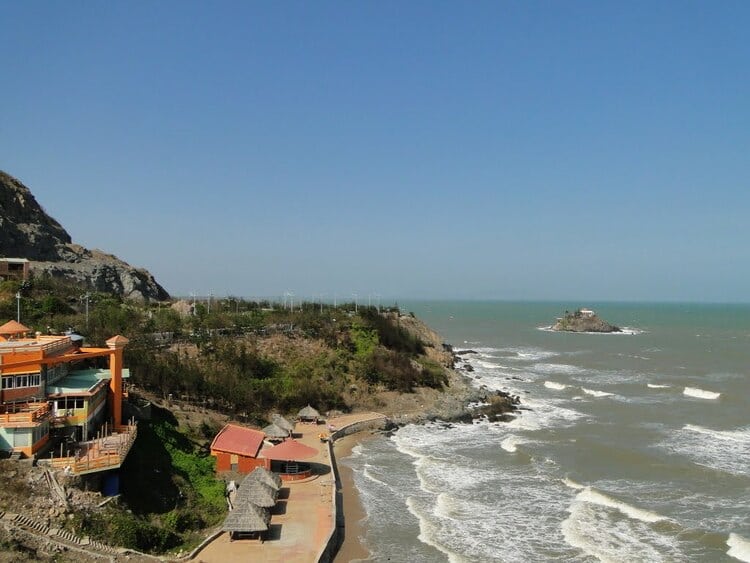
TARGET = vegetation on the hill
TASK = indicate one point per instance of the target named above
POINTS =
(242, 358)
(169, 485)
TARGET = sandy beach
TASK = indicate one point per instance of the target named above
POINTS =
(352, 548)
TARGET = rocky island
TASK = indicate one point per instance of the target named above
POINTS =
(583, 320)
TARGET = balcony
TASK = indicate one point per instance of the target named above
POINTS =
(25, 414)
(101, 454)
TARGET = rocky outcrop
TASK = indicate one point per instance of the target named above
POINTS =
(583, 320)
(27, 231)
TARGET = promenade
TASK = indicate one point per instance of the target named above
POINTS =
(304, 516)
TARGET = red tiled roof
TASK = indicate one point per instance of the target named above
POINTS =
(290, 450)
(238, 440)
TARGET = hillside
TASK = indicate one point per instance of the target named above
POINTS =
(27, 231)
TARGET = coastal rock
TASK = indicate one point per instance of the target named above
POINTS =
(583, 320)
(27, 231)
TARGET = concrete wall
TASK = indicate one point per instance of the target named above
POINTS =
(337, 527)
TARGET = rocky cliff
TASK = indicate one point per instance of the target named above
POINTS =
(26, 231)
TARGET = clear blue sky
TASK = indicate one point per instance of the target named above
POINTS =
(512, 150)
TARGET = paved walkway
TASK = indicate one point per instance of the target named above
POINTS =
(302, 520)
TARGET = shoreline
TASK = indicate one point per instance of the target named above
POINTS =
(352, 548)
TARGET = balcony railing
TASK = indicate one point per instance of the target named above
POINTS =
(100, 454)
(27, 413)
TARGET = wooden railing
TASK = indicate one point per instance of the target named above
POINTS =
(52, 344)
(26, 414)
(99, 456)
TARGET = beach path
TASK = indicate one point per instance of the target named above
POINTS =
(303, 519)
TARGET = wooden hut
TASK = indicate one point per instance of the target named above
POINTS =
(257, 493)
(308, 414)
(282, 422)
(275, 433)
(247, 521)
(265, 476)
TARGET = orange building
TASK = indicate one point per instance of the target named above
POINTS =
(236, 448)
(43, 397)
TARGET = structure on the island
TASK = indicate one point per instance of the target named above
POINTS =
(47, 403)
(308, 414)
(586, 313)
(236, 448)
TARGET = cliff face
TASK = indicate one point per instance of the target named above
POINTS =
(26, 231)
(578, 322)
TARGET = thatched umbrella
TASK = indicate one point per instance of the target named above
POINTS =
(13, 328)
(282, 422)
(254, 492)
(247, 517)
(265, 476)
(308, 413)
(275, 432)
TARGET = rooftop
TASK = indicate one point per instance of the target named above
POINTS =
(82, 381)
(238, 440)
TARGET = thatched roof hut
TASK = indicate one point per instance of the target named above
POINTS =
(265, 476)
(247, 517)
(255, 492)
(13, 328)
(282, 422)
(308, 414)
(275, 432)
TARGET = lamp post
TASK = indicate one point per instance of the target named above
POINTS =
(18, 306)
(86, 297)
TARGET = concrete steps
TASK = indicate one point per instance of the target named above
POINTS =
(59, 534)
(26, 522)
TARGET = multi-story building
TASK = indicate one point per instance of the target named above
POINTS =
(47, 402)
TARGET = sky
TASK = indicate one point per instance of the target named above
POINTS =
(409, 149)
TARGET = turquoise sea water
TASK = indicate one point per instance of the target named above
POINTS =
(631, 447)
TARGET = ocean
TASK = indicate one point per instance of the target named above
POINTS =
(630, 447)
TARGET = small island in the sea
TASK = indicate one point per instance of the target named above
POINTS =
(583, 320)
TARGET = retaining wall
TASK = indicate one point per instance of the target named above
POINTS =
(337, 521)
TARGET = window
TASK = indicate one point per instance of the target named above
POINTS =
(79, 403)
(8, 382)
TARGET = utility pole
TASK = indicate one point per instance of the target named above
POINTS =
(355, 302)
(86, 296)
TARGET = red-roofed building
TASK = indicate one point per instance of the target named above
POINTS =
(236, 448)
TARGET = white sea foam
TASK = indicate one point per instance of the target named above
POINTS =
(557, 368)
(554, 385)
(739, 436)
(367, 473)
(428, 532)
(488, 365)
(530, 354)
(700, 393)
(595, 393)
(511, 443)
(657, 386)
(625, 330)
(595, 497)
(723, 450)
(739, 547)
(592, 528)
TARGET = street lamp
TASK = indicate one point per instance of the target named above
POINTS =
(18, 306)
